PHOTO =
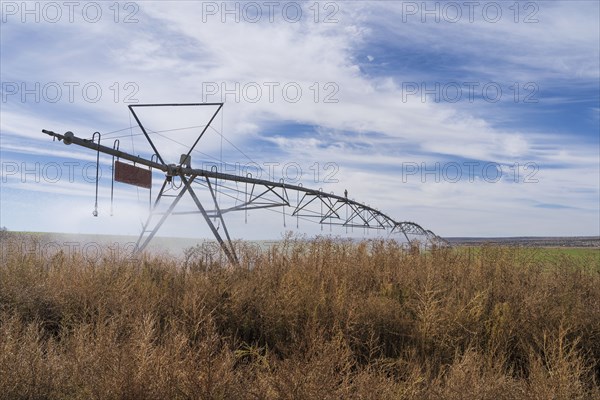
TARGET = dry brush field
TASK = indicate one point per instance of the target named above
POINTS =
(321, 319)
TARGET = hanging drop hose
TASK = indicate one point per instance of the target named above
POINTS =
(352, 225)
(248, 175)
(215, 169)
(321, 201)
(173, 185)
(283, 194)
(298, 205)
(332, 212)
(346, 207)
(116, 144)
(95, 212)
(153, 158)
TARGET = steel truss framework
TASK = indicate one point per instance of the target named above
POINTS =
(245, 193)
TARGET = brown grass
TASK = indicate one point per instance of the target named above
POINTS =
(312, 320)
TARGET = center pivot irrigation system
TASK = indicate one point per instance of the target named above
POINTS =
(243, 192)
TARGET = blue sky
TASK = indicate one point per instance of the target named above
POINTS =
(482, 124)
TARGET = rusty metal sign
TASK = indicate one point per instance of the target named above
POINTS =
(133, 175)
